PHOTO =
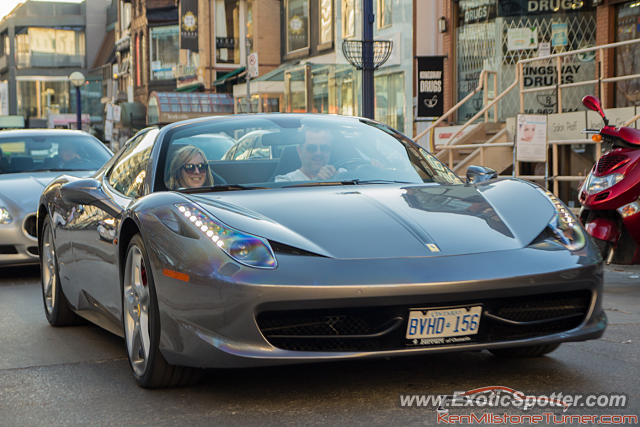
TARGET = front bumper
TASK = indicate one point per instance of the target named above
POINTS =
(17, 246)
(212, 321)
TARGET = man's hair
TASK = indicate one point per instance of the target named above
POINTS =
(312, 128)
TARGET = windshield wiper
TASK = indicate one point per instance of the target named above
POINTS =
(221, 187)
(348, 182)
(56, 170)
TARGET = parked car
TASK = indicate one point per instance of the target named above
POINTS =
(266, 263)
(29, 160)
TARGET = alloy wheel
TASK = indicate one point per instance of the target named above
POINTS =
(49, 275)
(136, 311)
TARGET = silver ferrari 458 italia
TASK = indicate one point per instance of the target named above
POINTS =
(340, 239)
(29, 160)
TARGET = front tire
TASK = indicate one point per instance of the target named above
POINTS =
(527, 351)
(604, 247)
(141, 323)
(56, 307)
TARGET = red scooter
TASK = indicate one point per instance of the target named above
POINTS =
(609, 195)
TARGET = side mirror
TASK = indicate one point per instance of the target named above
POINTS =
(593, 104)
(88, 192)
(476, 174)
(82, 192)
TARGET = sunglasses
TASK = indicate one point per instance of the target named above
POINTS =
(191, 168)
(313, 148)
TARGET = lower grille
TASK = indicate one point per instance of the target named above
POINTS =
(33, 250)
(384, 328)
(8, 250)
(29, 226)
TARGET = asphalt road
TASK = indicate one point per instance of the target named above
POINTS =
(80, 376)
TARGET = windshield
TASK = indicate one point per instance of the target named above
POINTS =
(34, 153)
(293, 150)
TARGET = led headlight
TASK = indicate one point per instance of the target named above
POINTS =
(565, 226)
(5, 216)
(596, 184)
(244, 248)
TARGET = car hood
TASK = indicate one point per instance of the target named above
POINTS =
(389, 221)
(21, 191)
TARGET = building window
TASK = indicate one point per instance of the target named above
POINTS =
(227, 29)
(384, 13)
(297, 23)
(325, 36)
(125, 18)
(389, 106)
(348, 18)
(49, 47)
(5, 46)
(164, 52)
(627, 57)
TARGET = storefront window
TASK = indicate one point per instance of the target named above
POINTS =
(296, 89)
(320, 87)
(384, 13)
(348, 18)
(270, 103)
(49, 47)
(628, 57)
(495, 35)
(297, 24)
(242, 107)
(389, 106)
(164, 52)
(227, 29)
(38, 98)
(326, 22)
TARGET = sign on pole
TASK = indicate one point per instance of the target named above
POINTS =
(531, 138)
(430, 86)
(252, 67)
(189, 25)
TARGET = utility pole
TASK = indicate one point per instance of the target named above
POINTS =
(367, 59)
(248, 47)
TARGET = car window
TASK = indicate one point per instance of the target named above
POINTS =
(129, 172)
(51, 152)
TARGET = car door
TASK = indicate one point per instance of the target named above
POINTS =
(95, 242)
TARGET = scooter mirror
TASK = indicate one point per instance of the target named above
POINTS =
(593, 104)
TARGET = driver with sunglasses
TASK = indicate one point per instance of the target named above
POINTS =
(189, 169)
(314, 157)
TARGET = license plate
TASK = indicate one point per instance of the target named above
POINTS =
(433, 324)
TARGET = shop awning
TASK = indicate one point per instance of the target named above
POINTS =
(222, 80)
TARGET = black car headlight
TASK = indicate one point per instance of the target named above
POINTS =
(247, 249)
(564, 225)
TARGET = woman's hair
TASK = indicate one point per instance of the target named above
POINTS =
(180, 158)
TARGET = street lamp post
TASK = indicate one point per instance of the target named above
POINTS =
(77, 79)
(368, 93)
